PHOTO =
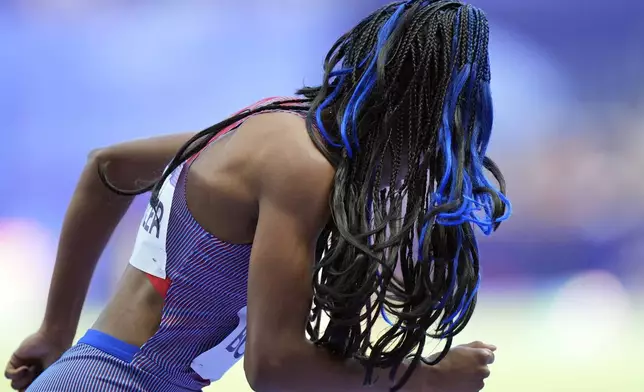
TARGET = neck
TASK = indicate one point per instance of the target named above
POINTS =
(331, 153)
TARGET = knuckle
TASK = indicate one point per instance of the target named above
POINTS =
(485, 354)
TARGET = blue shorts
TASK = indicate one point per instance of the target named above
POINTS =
(100, 363)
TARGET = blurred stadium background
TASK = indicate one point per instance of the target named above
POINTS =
(562, 293)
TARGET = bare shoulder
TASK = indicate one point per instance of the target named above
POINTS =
(287, 165)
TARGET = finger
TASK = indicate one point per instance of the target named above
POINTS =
(25, 372)
(489, 357)
(22, 383)
(14, 365)
(486, 356)
(10, 368)
(11, 372)
(479, 344)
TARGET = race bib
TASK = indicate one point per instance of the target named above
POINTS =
(214, 363)
(149, 254)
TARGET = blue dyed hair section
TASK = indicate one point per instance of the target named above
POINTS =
(361, 91)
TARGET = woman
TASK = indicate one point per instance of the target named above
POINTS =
(320, 199)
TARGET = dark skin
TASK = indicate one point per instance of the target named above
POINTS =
(267, 184)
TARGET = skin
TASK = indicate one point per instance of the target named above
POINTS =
(267, 184)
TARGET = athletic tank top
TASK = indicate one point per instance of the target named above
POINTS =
(202, 333)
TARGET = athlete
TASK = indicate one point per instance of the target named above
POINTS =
(358, 198)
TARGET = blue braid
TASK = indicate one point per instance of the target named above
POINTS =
(464, 81)
(326, 103)
(362, 89)
(365, 84)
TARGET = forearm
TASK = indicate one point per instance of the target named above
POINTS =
(305, 367)
(92, 216)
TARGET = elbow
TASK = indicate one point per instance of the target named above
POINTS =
(269, 369)
(95, 159)
(263, 373)
(98, 156)
(94, 155)
(256, 376)
(95, 165)
(110, 171)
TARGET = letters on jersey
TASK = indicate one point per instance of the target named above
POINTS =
(214, 363)
(149, 254)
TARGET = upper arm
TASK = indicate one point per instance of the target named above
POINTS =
(293, 209)
(128, 163)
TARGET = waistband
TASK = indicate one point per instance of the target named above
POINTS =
(110, 345)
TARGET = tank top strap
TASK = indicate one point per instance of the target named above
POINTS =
(237, 124)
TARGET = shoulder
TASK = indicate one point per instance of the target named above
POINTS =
(284, 156)
(287, 167)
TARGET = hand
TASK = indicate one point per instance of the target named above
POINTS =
(464, 368)
(32, 357)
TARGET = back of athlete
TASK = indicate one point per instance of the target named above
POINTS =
(220, 200)
(208, 290)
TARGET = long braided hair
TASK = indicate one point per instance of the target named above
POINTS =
(406, 91)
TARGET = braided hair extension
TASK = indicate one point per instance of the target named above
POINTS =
(405, 95)
(410, 83)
